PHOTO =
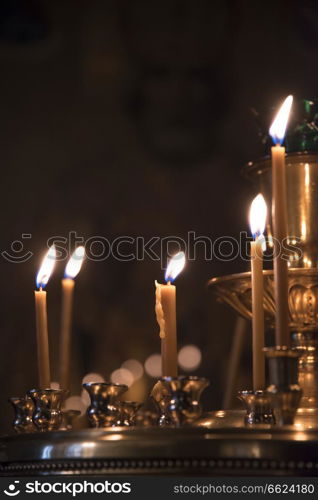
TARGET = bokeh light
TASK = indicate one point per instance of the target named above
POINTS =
(153, 365)
(135, 367)
(75, 403)
(85, 398)
(122, 376)
(189, 357)
(92, 377)
(54, 385)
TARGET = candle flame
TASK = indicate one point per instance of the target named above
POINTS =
(175, 266)
(74, 265)
(46, 268)
(258, 214)
(278, 127)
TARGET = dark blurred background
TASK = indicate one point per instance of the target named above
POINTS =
(134, 118)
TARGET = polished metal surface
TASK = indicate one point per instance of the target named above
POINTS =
(235, 291)
(258, 451)
(302, 201)
(23, 412)
(47, 414)
(178, 399)
(127, 413)
(258, 407)
(222, 419)
(283, 391)
(68, 417)
(104, 410)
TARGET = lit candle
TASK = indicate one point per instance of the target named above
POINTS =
(166, 316)
(42, 278)
(258, 212)
(71, 271)
(279, 214)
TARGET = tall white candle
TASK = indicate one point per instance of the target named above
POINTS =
(71, 271)
(166, 316)
(258, 214)
(280, 230)
(42, 337)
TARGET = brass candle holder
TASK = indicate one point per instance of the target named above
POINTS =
(47, 415)
(178, 399)
(23, 412)
(283, 391)
(127, 413)
(258, 407)
(104, 410)
(68, 417)
(235, 291)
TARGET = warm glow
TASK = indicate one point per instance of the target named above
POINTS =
(175, 266)
(46, 268)
(307, 176)
(75, 403)
(92, 378)
(278, 127)
(122, 376)
(153, 365)
(258, 214)
(55, 386)
(135, 367)
(74, 265)
(189, 357)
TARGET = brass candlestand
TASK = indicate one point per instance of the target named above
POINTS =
(235, 290)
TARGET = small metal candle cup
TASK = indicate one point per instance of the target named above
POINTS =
(23, 411)
(178, 399)
(283, 390)
(104, 410)
(127, 413)
(47, 415)
(68, 417)
(258, 407)
(146, 418)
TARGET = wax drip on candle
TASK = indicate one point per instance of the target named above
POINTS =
(174, 268)
(166, 316)
(159, 311)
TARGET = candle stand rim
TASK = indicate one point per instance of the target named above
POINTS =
(216, 280)
(71, 412)
(264, 162)
(281, 352)
(48, 391)
(167, 378)
(131, 402)
(104, 384)
(250, 392)
(17, 398)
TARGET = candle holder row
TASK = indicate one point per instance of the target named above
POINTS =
(177, 401)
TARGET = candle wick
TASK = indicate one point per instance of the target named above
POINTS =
(169, 283)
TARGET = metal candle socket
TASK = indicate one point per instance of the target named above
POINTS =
(104, 410)
(127, 413)
(283, 390)
(23, 411)
(258, 407)
(68, 417)
(177, 399)
(47, 415)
